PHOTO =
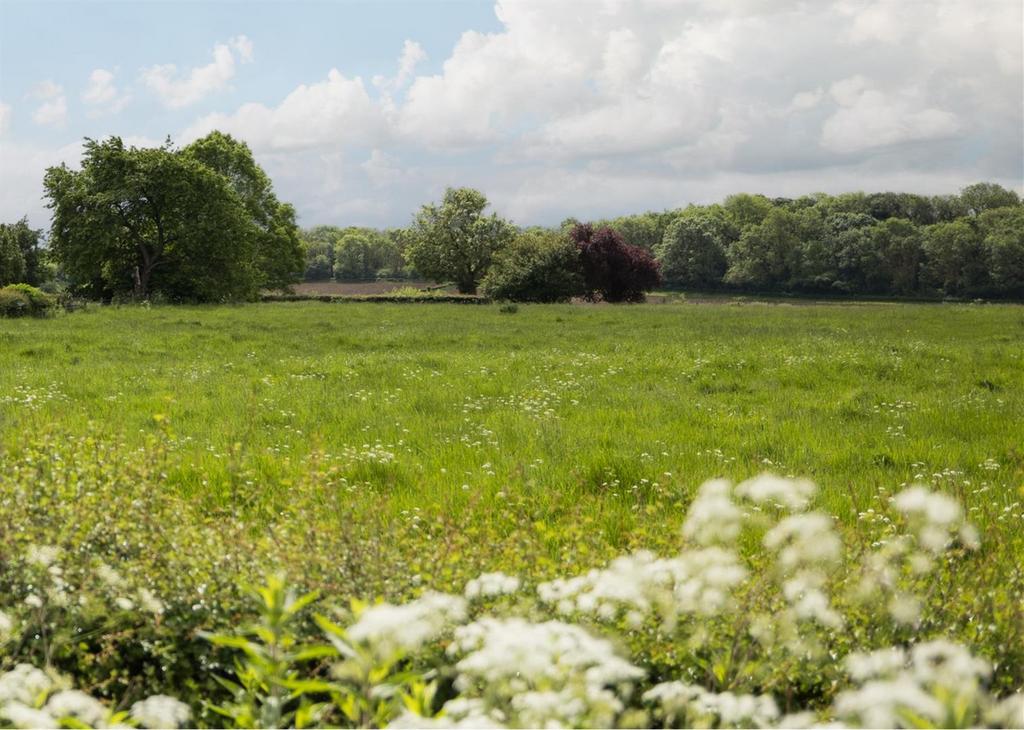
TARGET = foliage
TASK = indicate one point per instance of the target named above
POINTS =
(278, 252)
(799, 631)
(20, 300)
(613, 270)
(537, 266)
(197, 224)
(455, 241)
(692, 252)
(22, 256)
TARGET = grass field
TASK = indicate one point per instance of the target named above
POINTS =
(371, 449)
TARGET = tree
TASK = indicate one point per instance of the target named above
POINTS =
(200, 224)
(955, 257)
(747, 210)
(12, 262)
(278, 251)
(537, 266)
(692, 252)
(979, 197)
(27, 241)
(613, 270)
(1003, 229)
(455, 241)
(768, 255)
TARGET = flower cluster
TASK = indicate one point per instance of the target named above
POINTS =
(390, 629)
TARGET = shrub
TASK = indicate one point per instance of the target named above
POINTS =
(20, 300)
(804, 633)
(538, 266)
(613, 270)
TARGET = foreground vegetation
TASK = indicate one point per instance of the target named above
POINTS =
(157, 460)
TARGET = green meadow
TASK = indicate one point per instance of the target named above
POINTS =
(373, 449)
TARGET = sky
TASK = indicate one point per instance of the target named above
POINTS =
(362, 111)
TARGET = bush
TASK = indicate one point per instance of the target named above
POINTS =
(614, 271)
(538, 266)
(21, 300)
(806, 633)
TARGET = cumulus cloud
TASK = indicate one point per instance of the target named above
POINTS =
(871, 118)
(176, 90)
(609, 106)
(53, 110)
(332, 112)
(5, 117)
(102, 94)
(412, 55)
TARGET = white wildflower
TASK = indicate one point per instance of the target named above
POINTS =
(904, 608)
(713, 517)
(877, 703)
(161, 711)
(76, 704)
(679, 701)
(408, 627)
(794, 494)
(936, 518)
(804, 539)
(943, 662)
(1008, 713)
(149, 601)
(42, 555)
(24, 684)
(125, 604)
(491, 584)
(33, 600)
(23, 716)
(6, 626)
(862, 666)
(547, 654)
(412, 721)
(109, 576)
(809, 602)
(698, 581)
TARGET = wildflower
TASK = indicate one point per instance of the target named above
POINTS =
(406, 628)
(804, 539)
(24, 684)
(712, 516)
(879, 703)
(73, 703)
(149, 601)
(793, 494)
(42, 555)
(679, 701)
(20, 715)
(6, 626)
(544, 654)
(870, 665)
(161, 711)
(491, 584)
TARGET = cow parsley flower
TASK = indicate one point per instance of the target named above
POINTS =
(488, 585)
(804, 539)
(713, 517)
(793, 494)
(161, 711)
(73, 703)
(24, 684)
(685, 703)
(406, 628)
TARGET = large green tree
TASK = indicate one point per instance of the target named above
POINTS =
(21, 255)
(187, 224)
(279, 258)
(455, 241)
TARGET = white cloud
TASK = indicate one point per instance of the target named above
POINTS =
(176, 92)
(103, 95)
(381, 168)
(46, 90)
(337, 111)
(412, 55)
(5, 117)
(51, 113)
(870, 118)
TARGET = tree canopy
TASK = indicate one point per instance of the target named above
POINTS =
(455, 241)
(198, 224)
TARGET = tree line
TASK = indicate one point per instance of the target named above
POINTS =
(202, 223)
